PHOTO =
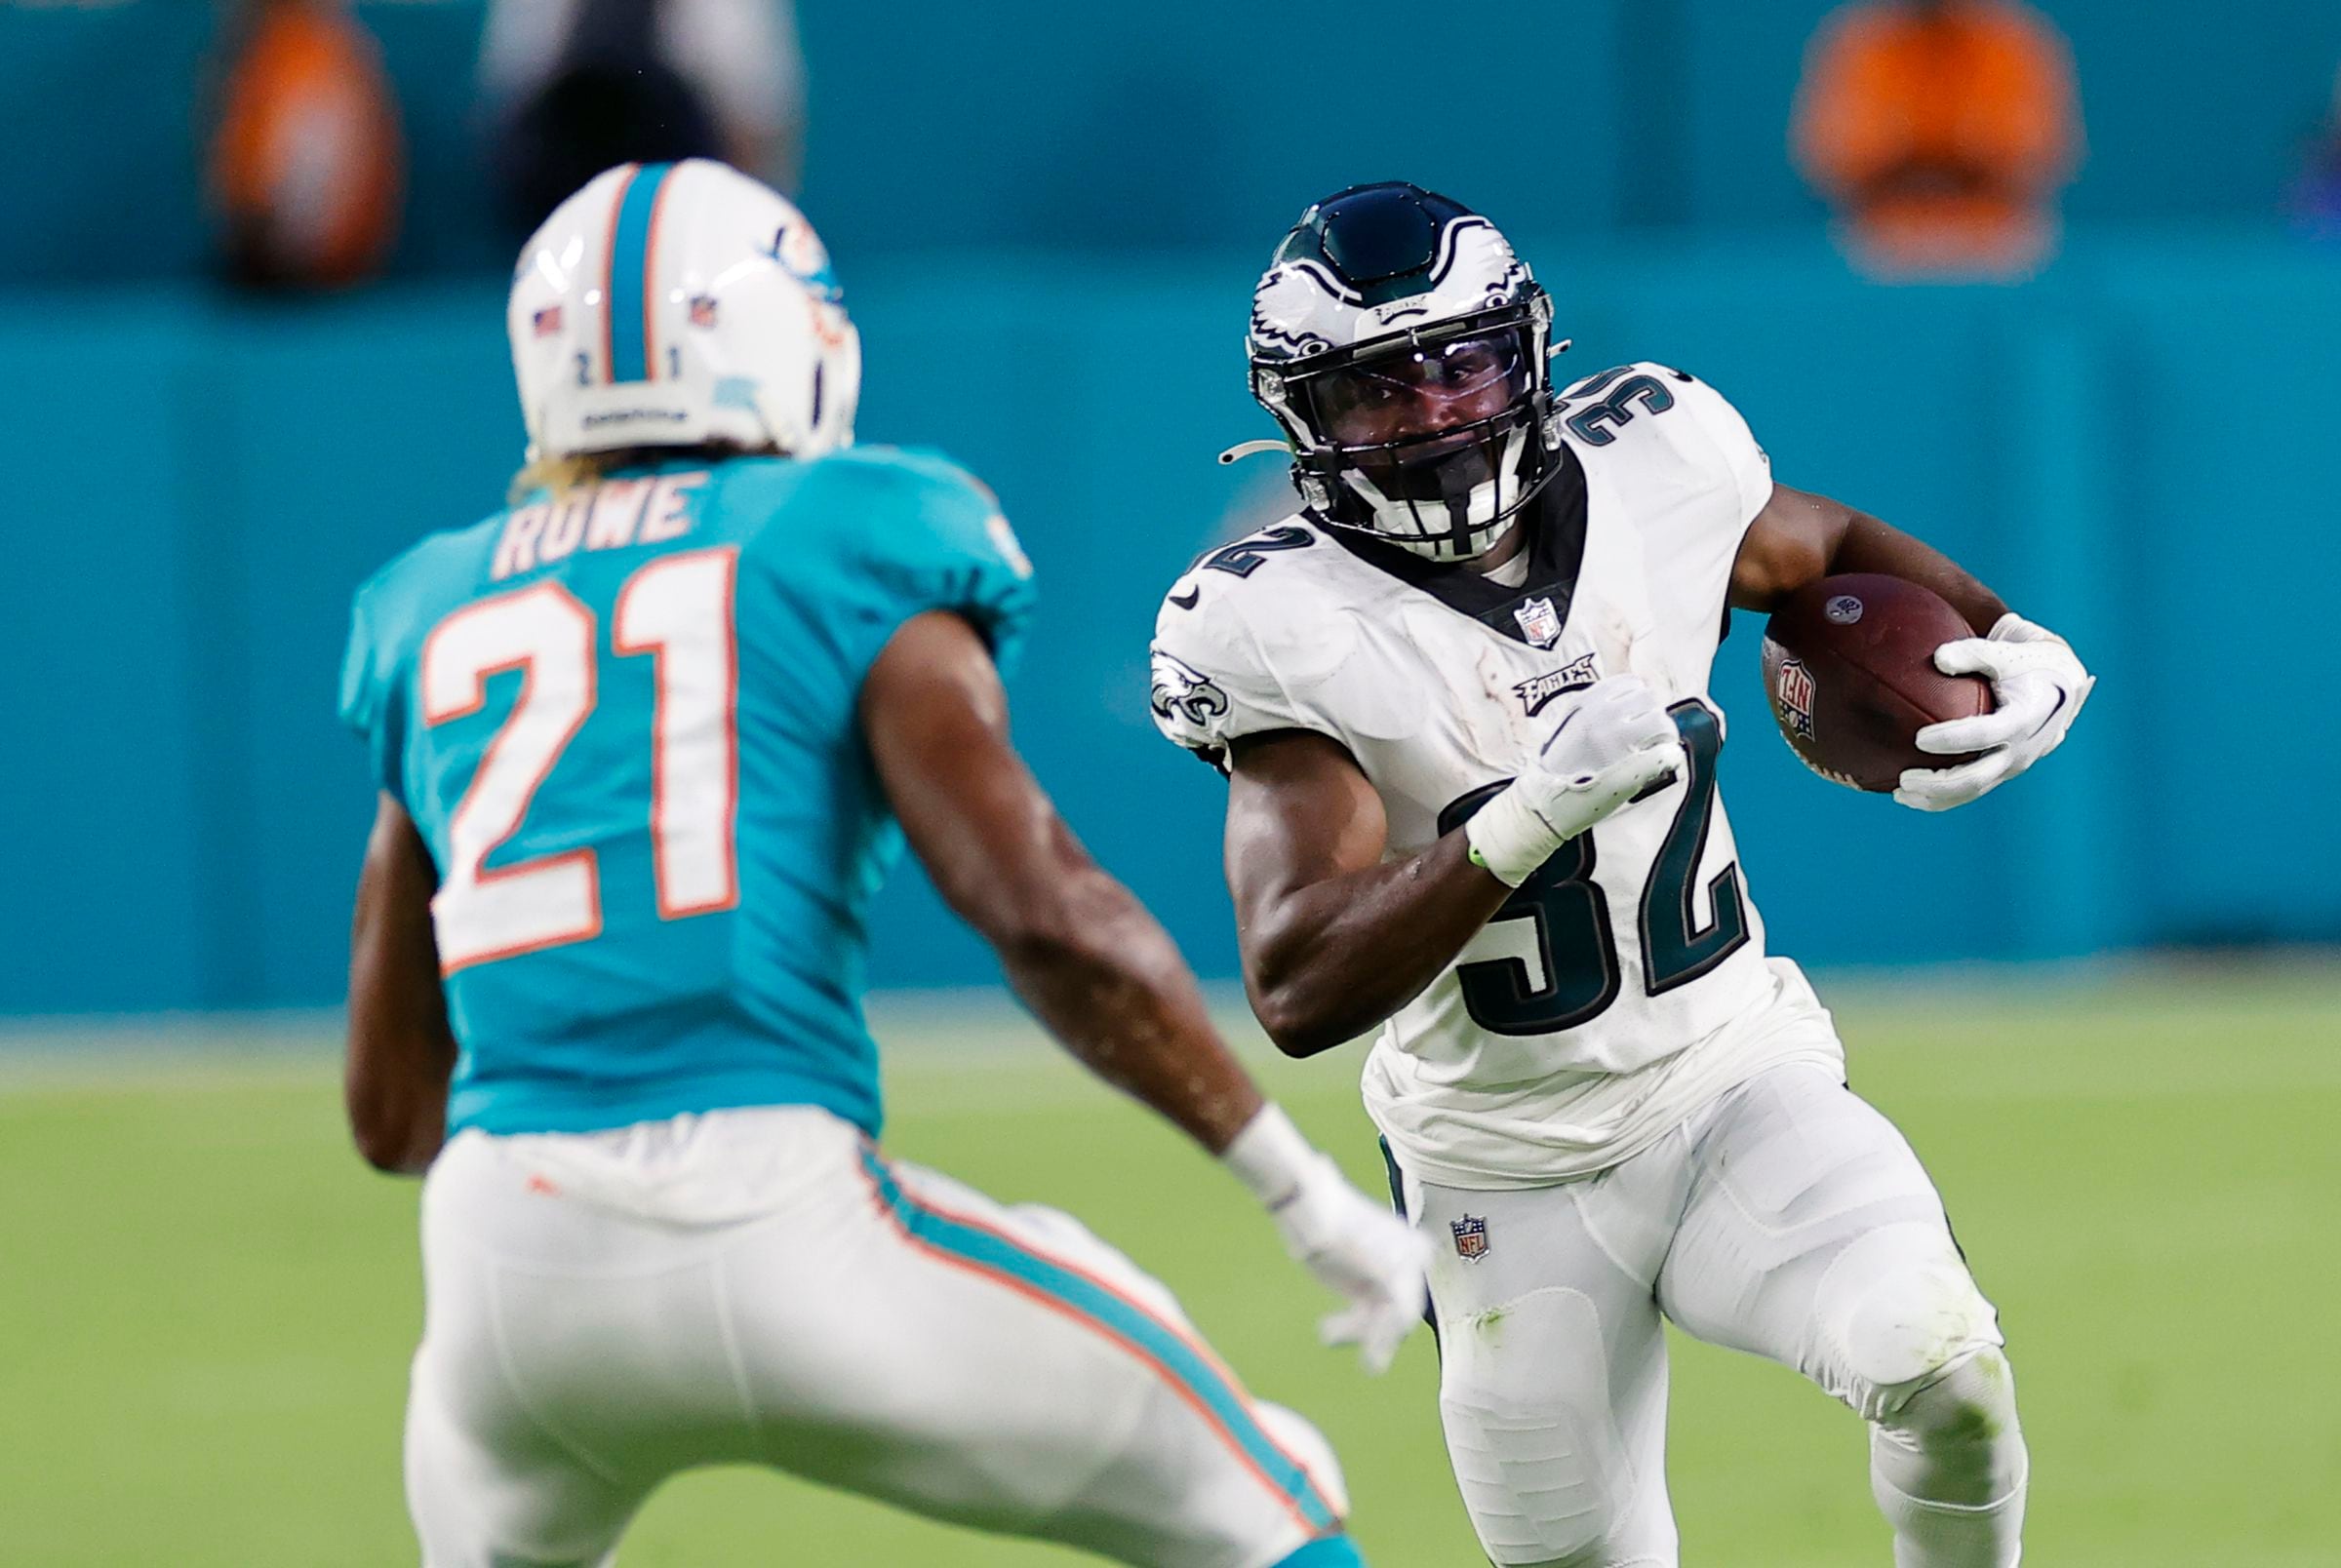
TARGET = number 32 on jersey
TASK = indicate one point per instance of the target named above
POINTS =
(676, 611)
(1570, 914)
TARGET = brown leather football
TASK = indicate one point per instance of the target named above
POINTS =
(1848, 663)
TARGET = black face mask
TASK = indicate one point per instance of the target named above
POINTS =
(1413, 392)
(1445, 474)
(1425, 422)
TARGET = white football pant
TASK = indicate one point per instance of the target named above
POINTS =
(1788, 1219)
(763, 1288)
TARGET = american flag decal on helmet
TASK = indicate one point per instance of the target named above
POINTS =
(546, 322)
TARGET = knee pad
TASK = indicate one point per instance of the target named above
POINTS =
(1897, 1310)
(1972, 1401)
(1954, 1442)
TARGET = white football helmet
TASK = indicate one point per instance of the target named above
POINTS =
(677, 305)
(1401, 346)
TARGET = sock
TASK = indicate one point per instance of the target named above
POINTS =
(1334, 1551)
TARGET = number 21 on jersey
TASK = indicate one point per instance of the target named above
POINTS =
(676, 611)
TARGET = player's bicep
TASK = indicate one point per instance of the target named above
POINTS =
(935, 718)
(1299, 812)
(1791, 543)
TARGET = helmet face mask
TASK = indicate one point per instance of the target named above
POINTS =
(1402, 347)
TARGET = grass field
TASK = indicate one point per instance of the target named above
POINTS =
(205, 1303)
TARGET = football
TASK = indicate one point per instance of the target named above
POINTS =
(1848, 663)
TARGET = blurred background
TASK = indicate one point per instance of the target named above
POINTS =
(2058, 289)
(1048, 220)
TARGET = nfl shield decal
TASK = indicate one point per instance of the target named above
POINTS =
(1539, 622)
(1471, 1238)
(1795, 697)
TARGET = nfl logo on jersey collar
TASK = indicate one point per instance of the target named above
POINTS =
(1539, 622)
(1471, 1238)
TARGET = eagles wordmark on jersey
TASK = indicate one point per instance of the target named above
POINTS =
(1627, 981)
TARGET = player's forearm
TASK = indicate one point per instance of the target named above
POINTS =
(1326, 962)
(1869, 545)
(395, 1076)
(1106, 980)
(397, 1133)
(1801, 537)
(401, 1050)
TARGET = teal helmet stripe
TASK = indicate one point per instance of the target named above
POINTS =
(630, 241)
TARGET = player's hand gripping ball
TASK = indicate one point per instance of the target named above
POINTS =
(2039, 683)
(1849, 664)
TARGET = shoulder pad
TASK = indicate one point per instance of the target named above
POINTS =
(1660, 422)
(1221, 669)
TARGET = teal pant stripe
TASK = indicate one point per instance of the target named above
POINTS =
(1336, 1552)
(1127, 1321)
(629, 269)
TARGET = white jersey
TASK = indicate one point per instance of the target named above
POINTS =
(1625, 984)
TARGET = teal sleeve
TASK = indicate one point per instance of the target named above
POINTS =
(370, 701)
(939, 540)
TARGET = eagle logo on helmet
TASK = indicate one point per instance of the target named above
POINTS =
(1301, 343)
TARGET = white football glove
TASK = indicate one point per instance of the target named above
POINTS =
(2040, 686)
(1354, 1246)
(1614, 741)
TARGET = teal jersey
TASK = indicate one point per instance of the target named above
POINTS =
(625, 720)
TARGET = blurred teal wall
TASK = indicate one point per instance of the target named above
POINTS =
(2136, 450)
(936, 125)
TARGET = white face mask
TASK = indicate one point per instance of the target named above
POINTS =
(1428, 528)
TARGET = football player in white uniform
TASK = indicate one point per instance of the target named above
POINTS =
(1461, 699)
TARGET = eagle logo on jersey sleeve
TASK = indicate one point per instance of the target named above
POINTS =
(1185, 700)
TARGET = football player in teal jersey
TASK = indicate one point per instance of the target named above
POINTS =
(646, 741)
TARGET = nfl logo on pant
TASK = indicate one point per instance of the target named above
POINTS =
(1471, 1238)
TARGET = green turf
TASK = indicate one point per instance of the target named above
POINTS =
(206, 1304)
